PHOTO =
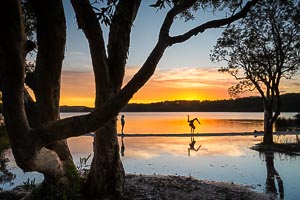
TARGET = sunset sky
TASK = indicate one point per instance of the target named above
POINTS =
(184, 73)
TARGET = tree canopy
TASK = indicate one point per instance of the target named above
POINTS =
(260, 50)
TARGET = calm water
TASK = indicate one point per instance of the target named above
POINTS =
(176, 122)
(219, 158)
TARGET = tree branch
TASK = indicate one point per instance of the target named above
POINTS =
(213, 24)
(88, 22)
(51, 40)
(12, 43)
(79, 125)
(169, 19)
(119, 39)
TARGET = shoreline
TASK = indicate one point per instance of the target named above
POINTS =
(255, 134)
(168, 187)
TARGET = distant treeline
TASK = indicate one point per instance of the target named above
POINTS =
(289, 103)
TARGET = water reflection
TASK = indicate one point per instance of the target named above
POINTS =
(122, 146)
(192, 145)
(6, 176)
(220, 159)
(273, 177)
(151, 147)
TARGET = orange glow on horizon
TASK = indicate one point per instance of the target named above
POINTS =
(78, 101)
(150, 94)
(78, 88)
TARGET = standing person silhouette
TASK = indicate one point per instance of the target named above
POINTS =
(122, 124)
(191, 124)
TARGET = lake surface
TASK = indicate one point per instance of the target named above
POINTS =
(176, 122)
(219, 158)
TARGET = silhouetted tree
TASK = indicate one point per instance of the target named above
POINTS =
(261, 50)
(38, 136)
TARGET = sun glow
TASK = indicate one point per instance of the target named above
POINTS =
(165, 85)
(76, 101)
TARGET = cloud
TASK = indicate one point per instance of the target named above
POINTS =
(77, 61)
(186, 78)
(78, 87)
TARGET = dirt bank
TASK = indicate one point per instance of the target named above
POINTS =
(158, 187)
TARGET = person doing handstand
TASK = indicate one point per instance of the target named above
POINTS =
(191, 123)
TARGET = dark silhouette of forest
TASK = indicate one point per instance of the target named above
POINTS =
(289, 103)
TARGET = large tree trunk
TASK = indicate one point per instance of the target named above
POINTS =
(54, 162)
(268, 125)
(51, 39)
(106, 177)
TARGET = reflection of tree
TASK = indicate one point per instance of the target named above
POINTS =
(5, 175)
(273, 175)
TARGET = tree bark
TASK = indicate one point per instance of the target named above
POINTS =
(51, 40)
(268, 124)
(29, 151)
(106, 177)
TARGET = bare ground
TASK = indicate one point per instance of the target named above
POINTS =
(158, 187)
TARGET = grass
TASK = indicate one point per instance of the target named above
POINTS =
(282, 144)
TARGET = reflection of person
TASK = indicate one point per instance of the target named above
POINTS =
(191, 123)
(122, 146)
(192, 146)
(122, 123)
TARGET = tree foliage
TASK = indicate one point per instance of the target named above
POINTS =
(261, 50)
(29, 20)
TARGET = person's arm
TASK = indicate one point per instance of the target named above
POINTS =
(198, 148)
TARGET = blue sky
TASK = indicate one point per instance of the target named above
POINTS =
(184, 72)
(193, 53)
